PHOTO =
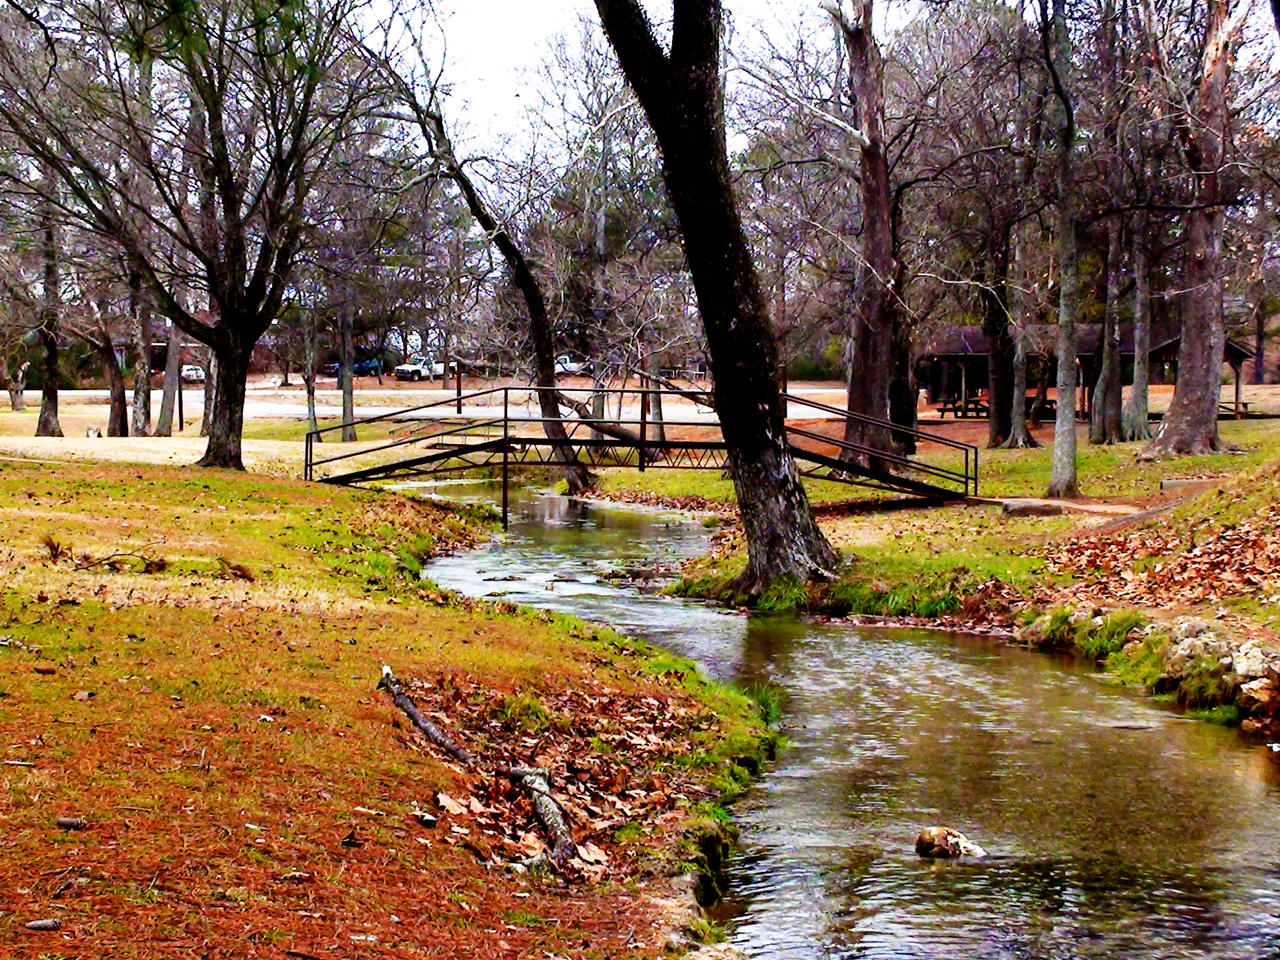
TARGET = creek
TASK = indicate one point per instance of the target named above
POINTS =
(1116, 828)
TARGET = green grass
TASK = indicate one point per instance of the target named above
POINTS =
(710, 484)
(1114, 471)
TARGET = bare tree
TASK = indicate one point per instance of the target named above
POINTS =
(1056, 43)
(1202, 122)
(250, 102)
(681, 92)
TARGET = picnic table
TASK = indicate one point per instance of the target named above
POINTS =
(968, 407)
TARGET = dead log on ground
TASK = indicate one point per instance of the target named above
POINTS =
(535, 781)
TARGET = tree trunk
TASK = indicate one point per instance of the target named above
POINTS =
(210, 385)
(1062, 478)
(226, 418)
(1203, 125)
(1106, 418)
(118, 417)
(1136, 415)
(683, 98)
(47, 425)
(309, 370)
(1260, 341)
(15, 384)
(1191, 424)
(1000, 352)
(875, 308)
(346, 362)
(578, 478)
(140, 334)
(1020, 437)
(172, 383)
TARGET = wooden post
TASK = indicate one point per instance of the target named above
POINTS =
(1238, 370)
(457, 382)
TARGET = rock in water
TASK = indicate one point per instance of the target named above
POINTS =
(943, 842)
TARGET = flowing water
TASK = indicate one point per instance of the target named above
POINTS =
(1116, 829)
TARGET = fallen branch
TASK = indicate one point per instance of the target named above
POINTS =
(428, 729)
(534, 781)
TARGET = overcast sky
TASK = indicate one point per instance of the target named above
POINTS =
(495, 47)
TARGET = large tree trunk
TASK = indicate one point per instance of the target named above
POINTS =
(118, 417)
(1136, 415)
(875, 307)
(226, 418)
(1062, 478)
(683, 98)
(1000, 353)
(1203, 124)
(1191, 425)
(1106, 417)
(1019, 433)
(210, 387)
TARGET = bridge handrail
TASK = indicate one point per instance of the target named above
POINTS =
(399, 414)
(311, 463)
(968, 477)
(877, 422)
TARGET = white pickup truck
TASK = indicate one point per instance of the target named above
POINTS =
(419, 368)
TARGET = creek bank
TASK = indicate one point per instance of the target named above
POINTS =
(1218, 669)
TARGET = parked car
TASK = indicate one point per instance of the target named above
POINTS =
(419, 368)
(366, 368)
(568, 366)
(330, 369)
(191, 373)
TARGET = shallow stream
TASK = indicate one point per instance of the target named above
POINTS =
(1116, 828)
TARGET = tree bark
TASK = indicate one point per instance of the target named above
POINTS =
(140, 313)
(682, 96)
(51, 302)
(15, 384)
(172, 383)
(1106, 417)
(1137, 420)
(309, 370)
(226, 418)
(1203, 128)
(345, 365)
(1000, 352)
(210, 386)
(118, 417)
(1062, 478)
(875, 307)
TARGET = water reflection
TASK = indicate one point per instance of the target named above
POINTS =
(1117, 829)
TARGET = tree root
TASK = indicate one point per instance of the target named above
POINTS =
(535, 781)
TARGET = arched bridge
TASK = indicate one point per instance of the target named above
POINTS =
(504, 427)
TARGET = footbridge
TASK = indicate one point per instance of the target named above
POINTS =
(504, 428)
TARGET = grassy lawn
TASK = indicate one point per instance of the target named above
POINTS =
(1114, 472)
(194, 673)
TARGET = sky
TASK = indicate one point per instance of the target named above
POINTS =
(495, 47)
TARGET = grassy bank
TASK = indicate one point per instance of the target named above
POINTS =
(189, 661)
